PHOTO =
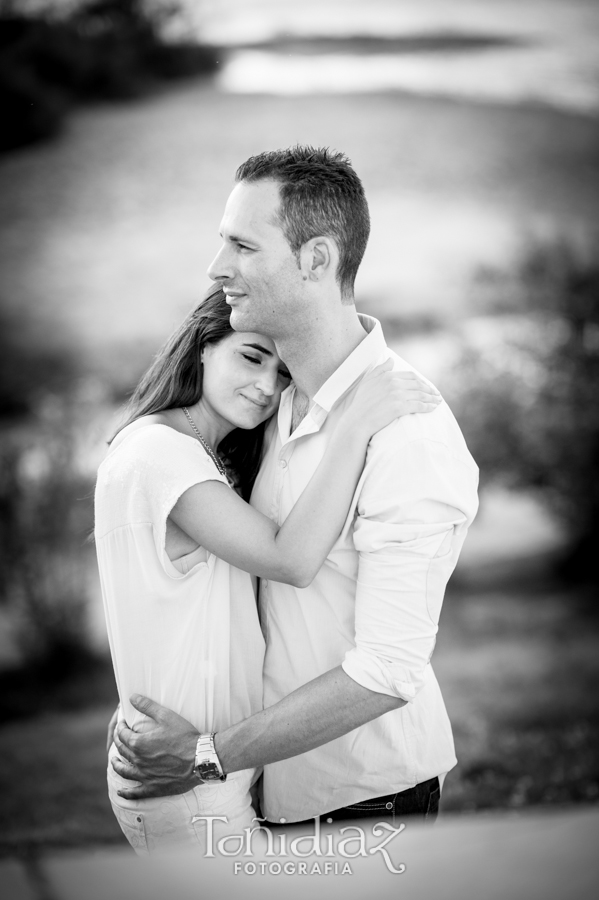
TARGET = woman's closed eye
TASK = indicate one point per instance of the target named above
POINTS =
(257, 361)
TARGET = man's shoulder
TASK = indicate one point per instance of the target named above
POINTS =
(438, 427)
(401, 364)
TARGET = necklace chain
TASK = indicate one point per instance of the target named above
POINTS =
(215, 459)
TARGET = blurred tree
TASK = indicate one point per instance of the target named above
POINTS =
(527, 400)
(111, 49)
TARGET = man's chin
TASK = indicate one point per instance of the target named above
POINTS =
(240, 321)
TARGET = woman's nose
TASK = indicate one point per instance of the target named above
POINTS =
(267, 383)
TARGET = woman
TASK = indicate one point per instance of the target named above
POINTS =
(177, 547)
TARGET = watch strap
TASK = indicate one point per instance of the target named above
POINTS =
(207, 764)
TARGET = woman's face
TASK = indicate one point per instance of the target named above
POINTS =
(243, 380)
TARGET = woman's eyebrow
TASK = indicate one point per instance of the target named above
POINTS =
(259, 347)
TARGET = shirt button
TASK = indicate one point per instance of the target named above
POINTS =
(283, 463)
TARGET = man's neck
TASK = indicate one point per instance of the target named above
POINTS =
(314, 355)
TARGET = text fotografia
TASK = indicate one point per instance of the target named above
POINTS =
(350, 843)
(292, 868)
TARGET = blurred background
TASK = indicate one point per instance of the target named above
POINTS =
(474, 125)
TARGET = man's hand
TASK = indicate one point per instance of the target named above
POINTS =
(111, 728)
(159, 752)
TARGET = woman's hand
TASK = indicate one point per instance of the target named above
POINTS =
(384, 395)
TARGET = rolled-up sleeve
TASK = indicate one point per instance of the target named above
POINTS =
(415, 506)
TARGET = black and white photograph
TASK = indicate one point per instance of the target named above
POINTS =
(299, 449)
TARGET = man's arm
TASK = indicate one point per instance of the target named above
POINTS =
(414, 510)
(162, 758)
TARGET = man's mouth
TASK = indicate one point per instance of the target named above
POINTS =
(232, 296)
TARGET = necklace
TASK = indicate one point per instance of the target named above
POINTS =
(215, 459)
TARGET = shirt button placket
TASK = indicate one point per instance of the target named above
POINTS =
(281, 471)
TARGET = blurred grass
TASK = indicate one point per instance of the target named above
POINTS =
(518, 664)
(52, 780)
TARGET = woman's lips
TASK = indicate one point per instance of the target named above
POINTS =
(259, 403)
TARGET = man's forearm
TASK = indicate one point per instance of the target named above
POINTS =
(160, 756)
(314, 714)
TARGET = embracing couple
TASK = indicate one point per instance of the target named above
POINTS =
(276, 437)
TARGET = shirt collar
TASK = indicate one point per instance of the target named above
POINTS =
(369, 353)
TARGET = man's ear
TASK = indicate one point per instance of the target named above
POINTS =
(318, 258)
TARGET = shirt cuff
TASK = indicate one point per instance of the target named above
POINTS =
(378, 675)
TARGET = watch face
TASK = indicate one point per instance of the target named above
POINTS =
(208, 771)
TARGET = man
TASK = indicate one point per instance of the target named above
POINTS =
(354, 723)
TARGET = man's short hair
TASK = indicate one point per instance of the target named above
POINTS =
(321, 195)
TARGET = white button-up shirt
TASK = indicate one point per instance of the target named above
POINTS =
(374, 606)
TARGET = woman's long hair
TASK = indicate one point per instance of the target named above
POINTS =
(175, 379)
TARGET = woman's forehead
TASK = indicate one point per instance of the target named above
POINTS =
(257, 342)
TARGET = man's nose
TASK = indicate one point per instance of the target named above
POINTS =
(220, 268)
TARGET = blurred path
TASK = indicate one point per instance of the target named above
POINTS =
(533, 856)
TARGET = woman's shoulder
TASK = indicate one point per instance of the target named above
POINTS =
(140, 424)
(146, 465)
(153, 441)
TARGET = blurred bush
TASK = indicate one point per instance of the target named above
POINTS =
(527, 387)
(46, 513)
(29, 367)
(112, 49)
(46, 510)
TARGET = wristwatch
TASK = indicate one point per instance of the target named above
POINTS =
(207, 764)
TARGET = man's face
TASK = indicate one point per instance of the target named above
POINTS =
(255, 265)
